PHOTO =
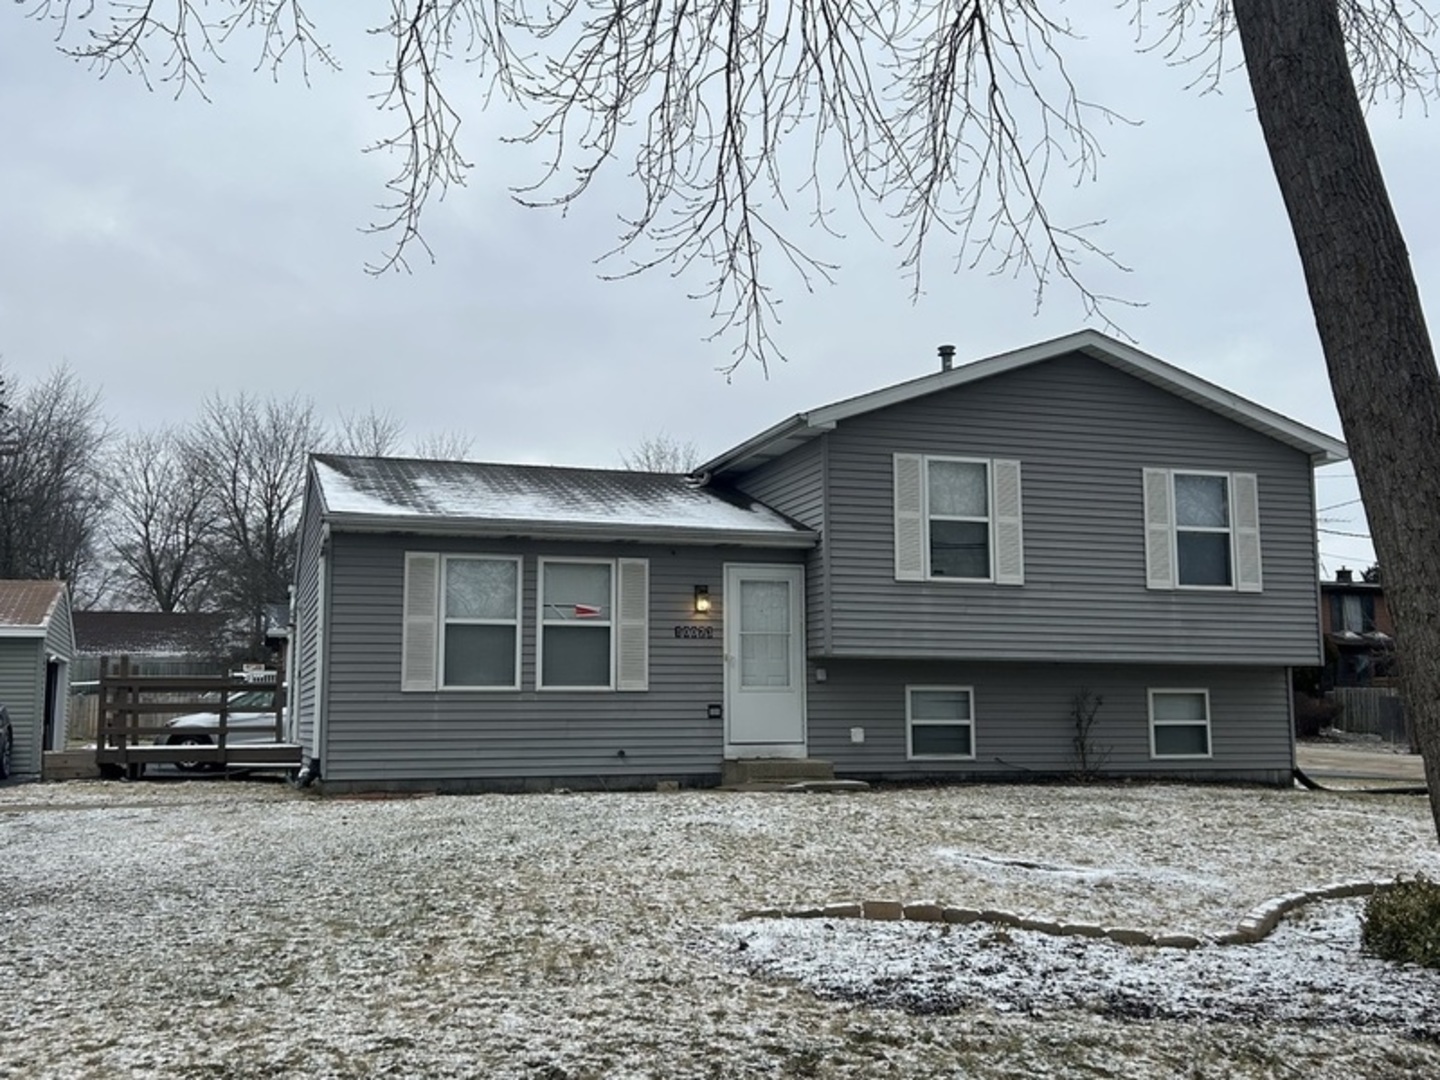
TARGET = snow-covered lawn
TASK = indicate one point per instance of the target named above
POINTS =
(217, 929)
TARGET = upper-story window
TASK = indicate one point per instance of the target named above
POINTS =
(1202, 530)
(958, 519)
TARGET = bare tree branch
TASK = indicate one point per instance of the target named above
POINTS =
(661, 452)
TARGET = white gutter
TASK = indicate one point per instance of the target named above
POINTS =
(550, 530)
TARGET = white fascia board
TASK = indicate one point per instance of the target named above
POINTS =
(23, 631)
(551, 530)
(1321, 448)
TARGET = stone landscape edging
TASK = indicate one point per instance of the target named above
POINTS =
(1257, 924)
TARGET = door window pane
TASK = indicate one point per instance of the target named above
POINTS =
(764, 660)
(765, 606)
(481, 655)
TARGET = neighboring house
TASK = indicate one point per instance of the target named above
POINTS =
(37, 645)
(157, 642)
(1359, 635)
(914, 583)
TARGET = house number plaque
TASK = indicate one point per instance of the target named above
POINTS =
(695, 632)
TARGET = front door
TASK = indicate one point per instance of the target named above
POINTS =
(764, 661)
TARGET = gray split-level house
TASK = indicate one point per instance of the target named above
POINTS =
(913, 583)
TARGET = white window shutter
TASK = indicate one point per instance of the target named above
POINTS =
(1245, 519)
(420, 644)
(910, 540)
(1009, 535)
(1159, 531)
(632, 625)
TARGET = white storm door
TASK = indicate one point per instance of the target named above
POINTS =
(764, 661)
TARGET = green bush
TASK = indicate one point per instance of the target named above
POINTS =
(1402, 923)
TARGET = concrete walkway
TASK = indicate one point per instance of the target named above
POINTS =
(1347, 762)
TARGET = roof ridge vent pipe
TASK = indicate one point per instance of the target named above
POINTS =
(947, 357)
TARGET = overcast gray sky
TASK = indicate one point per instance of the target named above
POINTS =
(167, 250)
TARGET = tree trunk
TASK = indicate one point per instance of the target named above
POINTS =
(1367, 309)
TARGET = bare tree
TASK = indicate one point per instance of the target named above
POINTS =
(946, 119)
(661, 453)
(375, 434)
(160, 523)
(443, 446)
(251, 455)
(52, 490)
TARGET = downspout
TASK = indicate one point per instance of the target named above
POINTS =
(322, 628)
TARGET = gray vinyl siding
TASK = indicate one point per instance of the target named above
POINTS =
(795, 485)
(376, 734)
(22, 692)
(1023, 724)
(1083, 433)
(305, 680)
(60, 636)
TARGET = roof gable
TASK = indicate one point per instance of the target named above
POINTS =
(785, 436)
(26, 607)
(368, 494)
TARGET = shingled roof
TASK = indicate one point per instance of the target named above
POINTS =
(361, 493)
(147, 633)
(26, 606)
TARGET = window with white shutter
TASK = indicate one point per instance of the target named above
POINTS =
(1202, 530)
(958, 519)
(632, 643)
(419, 651)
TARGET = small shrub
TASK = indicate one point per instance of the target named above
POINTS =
(1402, 923)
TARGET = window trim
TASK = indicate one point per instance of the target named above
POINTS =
(989, 518)
(1161, 550)
(1229, 530)
(911, 722)
(1209, 728)
(444, 621)
(612, 623)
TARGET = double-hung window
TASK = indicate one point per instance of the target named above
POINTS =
(1179, 723)
(957, 519)
(577, 605)
(480, 622)
(1202, 530)
(461, 622)
(940, 721)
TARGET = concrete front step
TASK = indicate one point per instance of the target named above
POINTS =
(773, 771)
(802, 787)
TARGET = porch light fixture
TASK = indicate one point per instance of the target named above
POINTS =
(702, 599)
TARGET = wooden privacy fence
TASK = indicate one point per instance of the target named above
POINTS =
(1372, 710)
(131, 731)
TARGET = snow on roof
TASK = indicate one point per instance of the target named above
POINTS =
(536, 500)
(26, 606)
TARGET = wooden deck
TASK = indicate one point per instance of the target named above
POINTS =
(132, 731)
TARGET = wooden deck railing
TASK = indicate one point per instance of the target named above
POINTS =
(131, 727)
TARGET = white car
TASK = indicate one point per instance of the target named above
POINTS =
(251, 719)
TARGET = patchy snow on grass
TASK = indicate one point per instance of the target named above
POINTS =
(215, 929)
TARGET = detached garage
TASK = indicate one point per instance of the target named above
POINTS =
(37, 644)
